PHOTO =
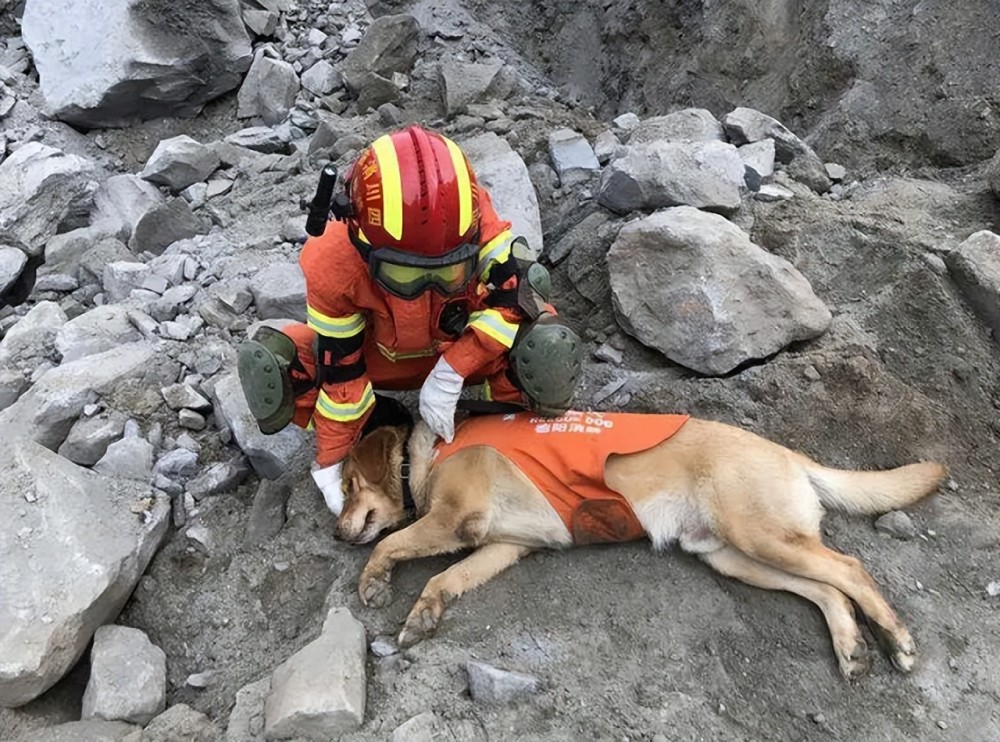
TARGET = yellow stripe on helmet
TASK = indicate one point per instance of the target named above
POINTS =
(464, 181)
(392, 186)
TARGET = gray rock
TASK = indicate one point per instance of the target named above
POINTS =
(164, 225)
(120, 278)
(180, 722)
(125, 200)
(128, 458)
(771, 192)
(191, 420)
(993, 174)
(269, 90)
(706, 175)
(626, 122)
(99, 65)
(271, 455)
(390, 115)
(12, 385)
(218, 187)
(488, 684)
(219, 478)
(421, 728)
(43, 191)
(503, 173)
(280, 292)
(759, 157)
(184, 396)
(260, 139)
(168, 306)
(587, 231)
(605, 146)
(33, 337)
(55, 282)
(48, 410)
(693, 286)
(89, 438)
(572, 157)
(322, 78)
(177, 464)
(384, 647)
(64, 251)
(464, 82)
(390, 45)
(745, 125)
(82, 731)
(246, 720)
(261, 22)
(835, 172)
(128, 677)
(12, 262)
(608, 354)
(975, 267)
(375, 91)
(687, 125)
(96, 331)
(897, 524)
(319, 692)
(78, 548)
(267, 515)
(179, 162)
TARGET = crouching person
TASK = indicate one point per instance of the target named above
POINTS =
(412, 285)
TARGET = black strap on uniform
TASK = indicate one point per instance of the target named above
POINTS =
(329, 352)
(477, 407)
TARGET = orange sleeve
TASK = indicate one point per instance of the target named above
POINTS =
(490, 331)
(333, 271)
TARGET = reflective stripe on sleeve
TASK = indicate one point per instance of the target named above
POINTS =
(345, 411)
(490, 322)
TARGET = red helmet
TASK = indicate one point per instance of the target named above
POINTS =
(414, 191)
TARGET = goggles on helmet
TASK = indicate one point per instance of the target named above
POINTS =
(407, 276)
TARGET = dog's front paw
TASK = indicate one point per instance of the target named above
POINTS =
(422, 622)
(375, 590)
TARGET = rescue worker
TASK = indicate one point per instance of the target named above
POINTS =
(413, 285)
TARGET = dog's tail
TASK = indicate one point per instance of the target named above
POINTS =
(874, 491)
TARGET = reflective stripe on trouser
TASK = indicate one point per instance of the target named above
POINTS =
(491, 322)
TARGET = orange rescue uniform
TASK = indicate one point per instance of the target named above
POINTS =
(565, 457)
(402, 339)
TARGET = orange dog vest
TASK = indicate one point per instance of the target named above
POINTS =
(565, 457)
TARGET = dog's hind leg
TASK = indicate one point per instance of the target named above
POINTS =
(428, 536)
(441, 590)
(848, 644)
(806, 556)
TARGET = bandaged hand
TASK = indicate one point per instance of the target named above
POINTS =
(439, 397)
(329, 481)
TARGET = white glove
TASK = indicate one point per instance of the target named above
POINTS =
(328, 479)
(438, 398)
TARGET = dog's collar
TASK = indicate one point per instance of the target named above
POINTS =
(404, 476)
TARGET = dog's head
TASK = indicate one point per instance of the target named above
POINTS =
(373, 497)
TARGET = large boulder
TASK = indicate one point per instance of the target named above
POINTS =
(503, 173)
(704, 174)
(73, 545)
(125, 200)
(280, 292)
(179, 162)
(47, 412)
(128, 677)
(43, 191)
(389, 45)
(32, 339)
(319, 692)
(269, 90)
(687, 125)
(12, 262)
(100, 329)
(694, 287)
(110, 63)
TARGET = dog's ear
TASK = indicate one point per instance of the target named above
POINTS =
(370, 457)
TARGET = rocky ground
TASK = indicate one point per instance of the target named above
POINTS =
(835, 289)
